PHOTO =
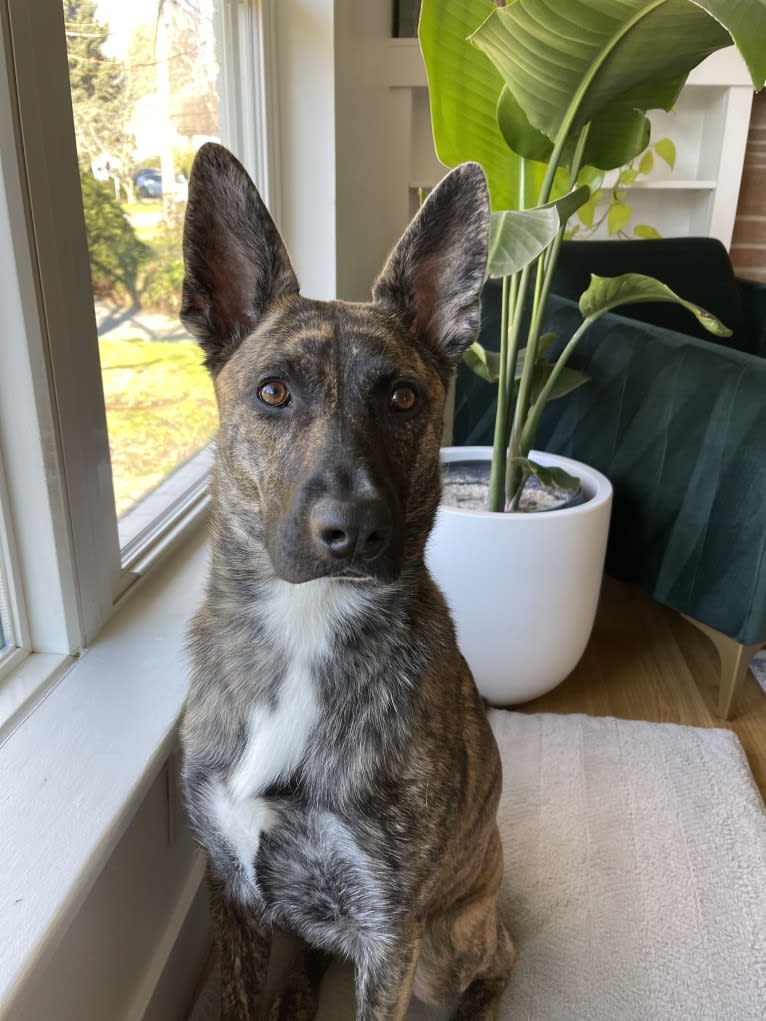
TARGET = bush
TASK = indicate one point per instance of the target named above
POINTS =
(116, 254)
(163, 273)
(161, 288)
(183, 159)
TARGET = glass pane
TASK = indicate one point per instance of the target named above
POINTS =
(6, 635)
(5, 640)
(144, 79)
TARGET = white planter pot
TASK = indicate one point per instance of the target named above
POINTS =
(523, 588)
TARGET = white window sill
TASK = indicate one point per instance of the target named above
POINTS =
(31, 676)
(73, 774)
(145, 529)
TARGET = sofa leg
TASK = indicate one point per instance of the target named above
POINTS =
(735, 659)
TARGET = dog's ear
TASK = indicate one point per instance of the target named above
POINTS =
(236, 265)
(434, 275)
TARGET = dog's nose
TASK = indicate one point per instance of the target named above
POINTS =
(351, 529)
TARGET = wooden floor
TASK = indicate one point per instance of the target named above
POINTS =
(644, 662)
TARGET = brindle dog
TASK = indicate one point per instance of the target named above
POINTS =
(339, 769)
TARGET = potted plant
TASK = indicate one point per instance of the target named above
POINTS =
(545, 97)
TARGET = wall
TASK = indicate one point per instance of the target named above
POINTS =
(749, 245)
(304, 69)
(138, 943)
(371, 208)
(345, 142)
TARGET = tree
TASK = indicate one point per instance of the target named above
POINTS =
(116, 253)
(193, 68)
(96, 82)
(105, 92)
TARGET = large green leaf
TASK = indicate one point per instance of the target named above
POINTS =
(517, 132)
(549, 476)
(483, 362)
(486, 364)
(568, 62)
(620, 133)
(567, 380)
(745, 21)
(464, 89)
(517, 237)
(606, 293)
(568, 204)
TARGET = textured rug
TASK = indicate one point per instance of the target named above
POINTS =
(635, 884)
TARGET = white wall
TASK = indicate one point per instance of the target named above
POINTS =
(138, 943)
(372, 206)
(345, 142)
(304, 59)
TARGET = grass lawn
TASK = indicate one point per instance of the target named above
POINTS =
(142, 206)
(146, 219)
(148, 233)
(160, 411)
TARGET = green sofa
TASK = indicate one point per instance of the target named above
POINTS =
(676, 418)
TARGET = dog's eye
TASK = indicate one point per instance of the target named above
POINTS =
(403, 397)
(274, 393)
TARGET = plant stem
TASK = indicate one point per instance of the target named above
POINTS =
(513, 478)
(521, 437)
(544, 395)
(497, 471)
(552, 255)
(511, 317)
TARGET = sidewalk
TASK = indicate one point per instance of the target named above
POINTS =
(124, 323)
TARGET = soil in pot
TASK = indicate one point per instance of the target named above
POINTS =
(465, 485)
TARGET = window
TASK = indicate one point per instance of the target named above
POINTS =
(144, 80)
(105, 410)
(95, 742)
(7, 643)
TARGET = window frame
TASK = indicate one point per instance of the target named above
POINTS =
(14, 631)
(67, 572)
(63, 281)
(83, 737)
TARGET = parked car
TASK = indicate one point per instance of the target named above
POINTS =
(148, 182)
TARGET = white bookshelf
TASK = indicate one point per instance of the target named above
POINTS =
(709, 128)
(382, 150)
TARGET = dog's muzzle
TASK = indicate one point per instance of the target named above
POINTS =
(353, 532)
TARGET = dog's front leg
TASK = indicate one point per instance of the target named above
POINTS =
(384, 980)
(244, 947)
(299, 1000)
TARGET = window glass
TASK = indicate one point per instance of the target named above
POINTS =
(5, 631)
(7, 637)
(144, 78)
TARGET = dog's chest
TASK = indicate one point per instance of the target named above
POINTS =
(299, 624)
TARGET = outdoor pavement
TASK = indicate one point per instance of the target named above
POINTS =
(126, 323)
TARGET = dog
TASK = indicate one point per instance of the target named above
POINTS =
(338, 767)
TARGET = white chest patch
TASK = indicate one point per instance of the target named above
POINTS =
(300, 623)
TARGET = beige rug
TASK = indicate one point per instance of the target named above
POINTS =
(635, 876)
